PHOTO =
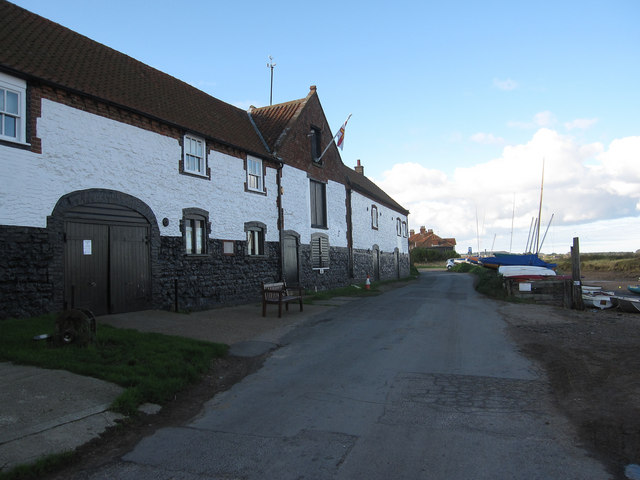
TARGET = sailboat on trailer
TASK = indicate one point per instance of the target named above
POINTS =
(528, 259)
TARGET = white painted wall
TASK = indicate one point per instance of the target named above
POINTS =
(297, 209)
(81, 150)
(385, 236)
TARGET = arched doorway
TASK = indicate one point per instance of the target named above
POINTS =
(290, 257)
(107, 251)
(375, 251)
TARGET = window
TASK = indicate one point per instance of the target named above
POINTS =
(374, 217)
(254, 174)
(195, 228)
(316, 144)
(194, 155)
(404, 229)
(318, 204)
(12, 109)
(255, 237)
(319, 250)
(398, 227)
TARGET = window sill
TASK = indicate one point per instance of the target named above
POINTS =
(257, 192)
(195, 174)
(14, 143)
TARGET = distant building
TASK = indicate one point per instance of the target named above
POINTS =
(427, 239)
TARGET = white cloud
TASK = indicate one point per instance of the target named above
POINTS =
(506, 84)
(540, 119)
(544, 119)
(580, 123)
(583, 184)
(487, 139)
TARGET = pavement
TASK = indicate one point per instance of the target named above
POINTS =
(43, 412)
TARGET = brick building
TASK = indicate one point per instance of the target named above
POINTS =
(427, 239)
(125, 188)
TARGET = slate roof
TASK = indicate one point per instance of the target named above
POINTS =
(38, 48)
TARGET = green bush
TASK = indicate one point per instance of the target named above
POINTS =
(427, 255)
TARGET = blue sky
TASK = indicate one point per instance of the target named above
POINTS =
(455, 104)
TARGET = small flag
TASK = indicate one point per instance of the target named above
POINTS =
(340, 135)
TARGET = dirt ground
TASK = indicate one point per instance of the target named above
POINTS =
(592, 360)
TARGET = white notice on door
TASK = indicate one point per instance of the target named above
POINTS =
(86, 247)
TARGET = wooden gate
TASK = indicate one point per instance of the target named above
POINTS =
(107, 259)
(376, 262)
(290, 264)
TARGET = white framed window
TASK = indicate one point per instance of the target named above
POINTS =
(255, 178)
(13, 98)
(194, 155)
(255, 238)
(196, 228)
(374, 217)
(398, 227)
(404, 229)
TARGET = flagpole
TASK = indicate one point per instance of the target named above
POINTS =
(334, 137)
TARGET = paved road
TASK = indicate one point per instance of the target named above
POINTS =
(420, 382)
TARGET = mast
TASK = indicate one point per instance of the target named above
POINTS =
(512, 217)
(545, 232)
(529, 238)
(540, 211)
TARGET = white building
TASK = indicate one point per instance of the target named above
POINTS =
(127, 189)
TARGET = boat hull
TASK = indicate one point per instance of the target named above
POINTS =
(627, 304)
(531, 259)
(595, 300)
(525, 270)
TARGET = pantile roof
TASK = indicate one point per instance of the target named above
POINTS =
(44, 50)
(274, 121)
(365, 186)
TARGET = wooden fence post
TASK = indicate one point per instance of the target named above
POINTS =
(576, 290)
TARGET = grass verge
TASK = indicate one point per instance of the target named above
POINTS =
(151, 367)
(488, 281)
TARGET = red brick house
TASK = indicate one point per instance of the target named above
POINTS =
(427, 239)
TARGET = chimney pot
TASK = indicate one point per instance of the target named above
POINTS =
(359, 168)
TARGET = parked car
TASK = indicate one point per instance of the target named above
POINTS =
(452, 262)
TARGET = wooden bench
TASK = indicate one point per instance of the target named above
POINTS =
(279, 293)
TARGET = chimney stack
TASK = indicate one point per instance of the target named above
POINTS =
(359, 168)
(423, 230)
(412, 232)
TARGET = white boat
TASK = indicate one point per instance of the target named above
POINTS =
(590, 289)
(599, 300)
(525, 271)
(627, 304)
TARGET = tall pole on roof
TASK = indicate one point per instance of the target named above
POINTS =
(271, 65)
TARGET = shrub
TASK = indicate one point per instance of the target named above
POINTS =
(426, 255)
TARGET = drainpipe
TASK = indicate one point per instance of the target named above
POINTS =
(280, 213)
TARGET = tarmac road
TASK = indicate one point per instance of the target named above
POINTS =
(420, 382)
